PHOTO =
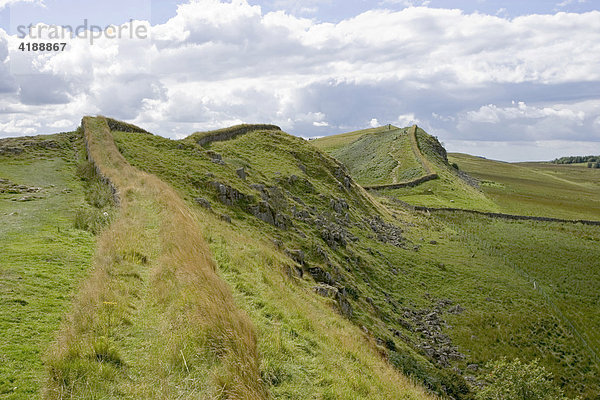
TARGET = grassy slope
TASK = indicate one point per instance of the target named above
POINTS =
(334, 142)
(504, 315)
(559, 258)
(153, 320)
(563, 191)
(308, 350)
(381, 156)
(42, 260)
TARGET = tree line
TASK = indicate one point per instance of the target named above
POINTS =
(592, 161)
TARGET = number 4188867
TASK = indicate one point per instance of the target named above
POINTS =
(42, 46)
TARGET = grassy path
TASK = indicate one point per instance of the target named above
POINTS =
(153, 320)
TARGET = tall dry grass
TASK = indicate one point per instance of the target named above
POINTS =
(154, 320)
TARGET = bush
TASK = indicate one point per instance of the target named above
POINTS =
(91, 220)
(515, 380)
(99, 195)
(440, 381)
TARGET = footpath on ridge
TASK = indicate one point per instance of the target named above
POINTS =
(153, 320)
(429, 173)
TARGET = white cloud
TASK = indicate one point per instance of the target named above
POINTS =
(6, 3)
(374, 123)
(217, 63)
(494, 114)
(407, 120)
(569, 2)
(61, 124)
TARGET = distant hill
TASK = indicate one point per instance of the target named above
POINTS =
(405, 163)
(536, 188)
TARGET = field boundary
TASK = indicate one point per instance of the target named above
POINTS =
(505, 216)
(203, 138)
(154, 302)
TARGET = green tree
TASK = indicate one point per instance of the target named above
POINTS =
(516, 380)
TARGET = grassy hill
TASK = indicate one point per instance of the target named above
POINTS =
(569, 191)
(386, 156)
(247, 263)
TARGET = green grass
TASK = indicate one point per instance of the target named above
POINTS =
(381, 158)
(541, 189)
(558, 261)
(42, 261)
(134, 332)
(334, 142)
(503, 315)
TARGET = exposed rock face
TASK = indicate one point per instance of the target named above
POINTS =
(265, 212)
(334, 235)
(241, 172)
(203, 202)
(342, 175)
(337, 294)
(228, 195)
(429, 323)
(325, 290)
(321, 276)
(215, 157)
(386, 233)
(338, 205)
(296, 255)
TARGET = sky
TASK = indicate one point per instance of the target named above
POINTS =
(508, 80)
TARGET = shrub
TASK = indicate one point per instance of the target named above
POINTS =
(91, 220)
(516, 380)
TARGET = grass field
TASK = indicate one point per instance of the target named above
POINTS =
(543, 189)
(42, 261)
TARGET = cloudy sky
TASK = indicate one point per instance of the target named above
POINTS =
(510, 80)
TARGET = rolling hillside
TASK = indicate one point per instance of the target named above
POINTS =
(555, 190)
(407, 164)
(247, 263)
